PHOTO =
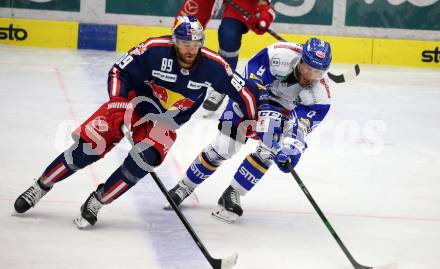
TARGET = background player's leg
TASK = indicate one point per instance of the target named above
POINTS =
(229, 38)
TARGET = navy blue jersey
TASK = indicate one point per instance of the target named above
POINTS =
(151, 70)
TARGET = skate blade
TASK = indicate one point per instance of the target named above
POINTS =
(167, 207)
(224, 215)
(14, 213)
(229, 262)
(81, 223)
(194, 200)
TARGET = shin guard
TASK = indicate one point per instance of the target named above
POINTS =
(251, 170)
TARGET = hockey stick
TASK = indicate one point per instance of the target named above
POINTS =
(344, 77)
(355, 264)
(224, 263)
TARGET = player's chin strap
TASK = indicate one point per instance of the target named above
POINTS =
(355, 264)
(224, 263)
(344, 77)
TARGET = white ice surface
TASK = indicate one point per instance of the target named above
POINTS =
(372, 167)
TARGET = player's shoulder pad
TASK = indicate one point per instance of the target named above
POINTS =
(217, 58)
(283, 57)
(163, 41)
(318, 92)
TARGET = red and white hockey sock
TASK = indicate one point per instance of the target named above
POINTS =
(56, 171)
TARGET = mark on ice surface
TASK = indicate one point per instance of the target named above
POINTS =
(170, 242)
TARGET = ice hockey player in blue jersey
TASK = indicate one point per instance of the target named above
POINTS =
(297, 100)
(154, 89)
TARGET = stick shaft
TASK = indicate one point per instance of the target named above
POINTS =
(325, 220)
(215, 263)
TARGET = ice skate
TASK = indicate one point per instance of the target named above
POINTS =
(229, 208)
(179, 193)
(89, 212)
(30, 197)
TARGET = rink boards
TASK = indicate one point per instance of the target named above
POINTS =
(74, 35)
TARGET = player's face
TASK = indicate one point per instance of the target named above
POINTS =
(187, 51)
(307, 74)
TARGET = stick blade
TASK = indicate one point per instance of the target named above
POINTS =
(347, 76)
(357, 69)
(336, 78)
(387, 266)
(225, 263)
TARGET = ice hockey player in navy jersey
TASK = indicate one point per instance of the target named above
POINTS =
(232, 27)
(297, 100)
(153, 89)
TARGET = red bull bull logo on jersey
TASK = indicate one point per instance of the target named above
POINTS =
(170, 99)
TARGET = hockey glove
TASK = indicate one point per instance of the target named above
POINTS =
(260, 22)
(116, 108)
(269, 124)
(290, 152)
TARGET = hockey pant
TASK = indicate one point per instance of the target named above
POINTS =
(93, 141)
(230, 33)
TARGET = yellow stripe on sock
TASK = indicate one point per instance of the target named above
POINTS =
(255, 164)
(206, 164)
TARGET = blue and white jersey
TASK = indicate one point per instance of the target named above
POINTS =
(272, 68)
(152, 71)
